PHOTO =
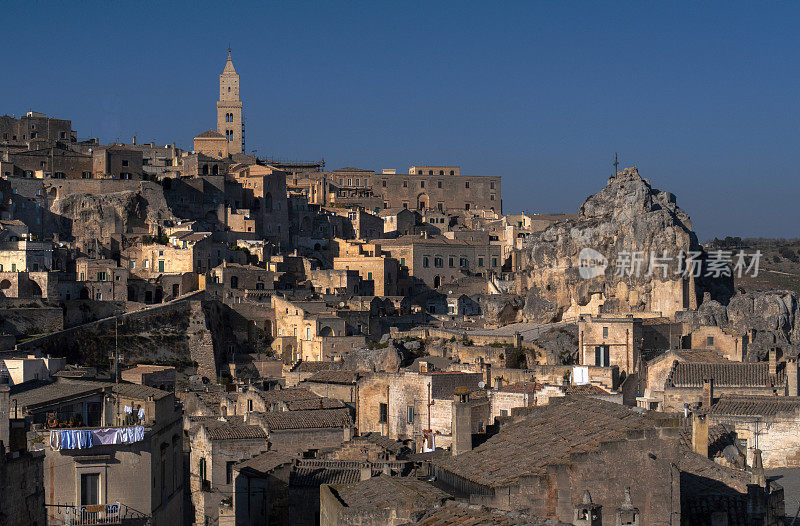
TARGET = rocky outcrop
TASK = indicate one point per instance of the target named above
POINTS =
(770, 318)
(92, 214)
(577, 265)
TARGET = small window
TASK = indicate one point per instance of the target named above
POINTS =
(452, 262)
(605, 332)
(494, 262)
(405, 184)
(402, 262)
(710, 341)
(438, 262)
(425, 262)
(439, 184)
(383, 184)
(410, 414)
(369, 276)
(384, 413)
(124, 162)
(466, 184)
(430, 172)
(422, 184)
(491, 185)
(480, 262)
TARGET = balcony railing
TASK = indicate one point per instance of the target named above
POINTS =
(93, 515)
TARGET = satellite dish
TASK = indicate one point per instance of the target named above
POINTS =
(481, 384)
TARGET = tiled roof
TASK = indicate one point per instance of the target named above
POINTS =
(139, 392)
(334, 377)
(702, 355)
(210, 134)
(229, 431)
(311, 367)
(548, 436)
(266, 462)
(586, 390)
(320, 418)
(443, 384)
(463, 514)
(521, 387)
(733, 374)
(286, 395)
(386, 492)
(730, 405)
(35, 393)
(314, 404)
(310, 477)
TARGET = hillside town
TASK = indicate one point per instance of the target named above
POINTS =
(206, 337)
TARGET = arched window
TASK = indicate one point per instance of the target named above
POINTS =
(268, 201)
(215, 170)
(205, 169)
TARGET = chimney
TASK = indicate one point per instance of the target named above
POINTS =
(365, 472)
(791, 377)
(627, 513)
(700, 434)
(773, 361)
(487, 375)
(134, 140)
(587, 513)
(461, 427)
(757, 475)
(708, 393)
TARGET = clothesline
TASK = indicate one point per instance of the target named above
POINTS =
(86, 438)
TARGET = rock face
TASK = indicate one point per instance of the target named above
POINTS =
(626, 221)
(88, 215)
(772, 318)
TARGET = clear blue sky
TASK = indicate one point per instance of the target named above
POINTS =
(702, 96)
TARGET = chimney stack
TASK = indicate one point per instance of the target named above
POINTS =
(757, 475)
(700, 434)
(773, 361)
(708, 393)
(791, 377)
(462, 422)
(587, 513)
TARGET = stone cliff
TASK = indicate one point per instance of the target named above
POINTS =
(600, 260)
(93, 213)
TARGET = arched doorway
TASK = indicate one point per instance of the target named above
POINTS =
(326, 331)
(159, 295)
(422, 201)
(437, 281)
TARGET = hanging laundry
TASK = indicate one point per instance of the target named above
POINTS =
(106, 436)
(141, 414)
(128, 409)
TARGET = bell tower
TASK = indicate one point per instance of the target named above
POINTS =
(230, 122)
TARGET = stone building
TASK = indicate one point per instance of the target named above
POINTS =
(21, 473)
(213, 145)
(34, 130)
(379, 500)
(56, 162)
(416, 405)
(436, 261)
(117, 162)
(547, 461)
(766, 423)
(135, 434)
(158, 376)
(305, 429)
(217, 445)
(695, 383)
(376, 268)
(101, 280)
(607, 341)
(730, 345)
(659, 368)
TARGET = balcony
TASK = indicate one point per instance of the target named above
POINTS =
(94, 515)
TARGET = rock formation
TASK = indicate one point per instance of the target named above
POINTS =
(771, 318)
(627, 220)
